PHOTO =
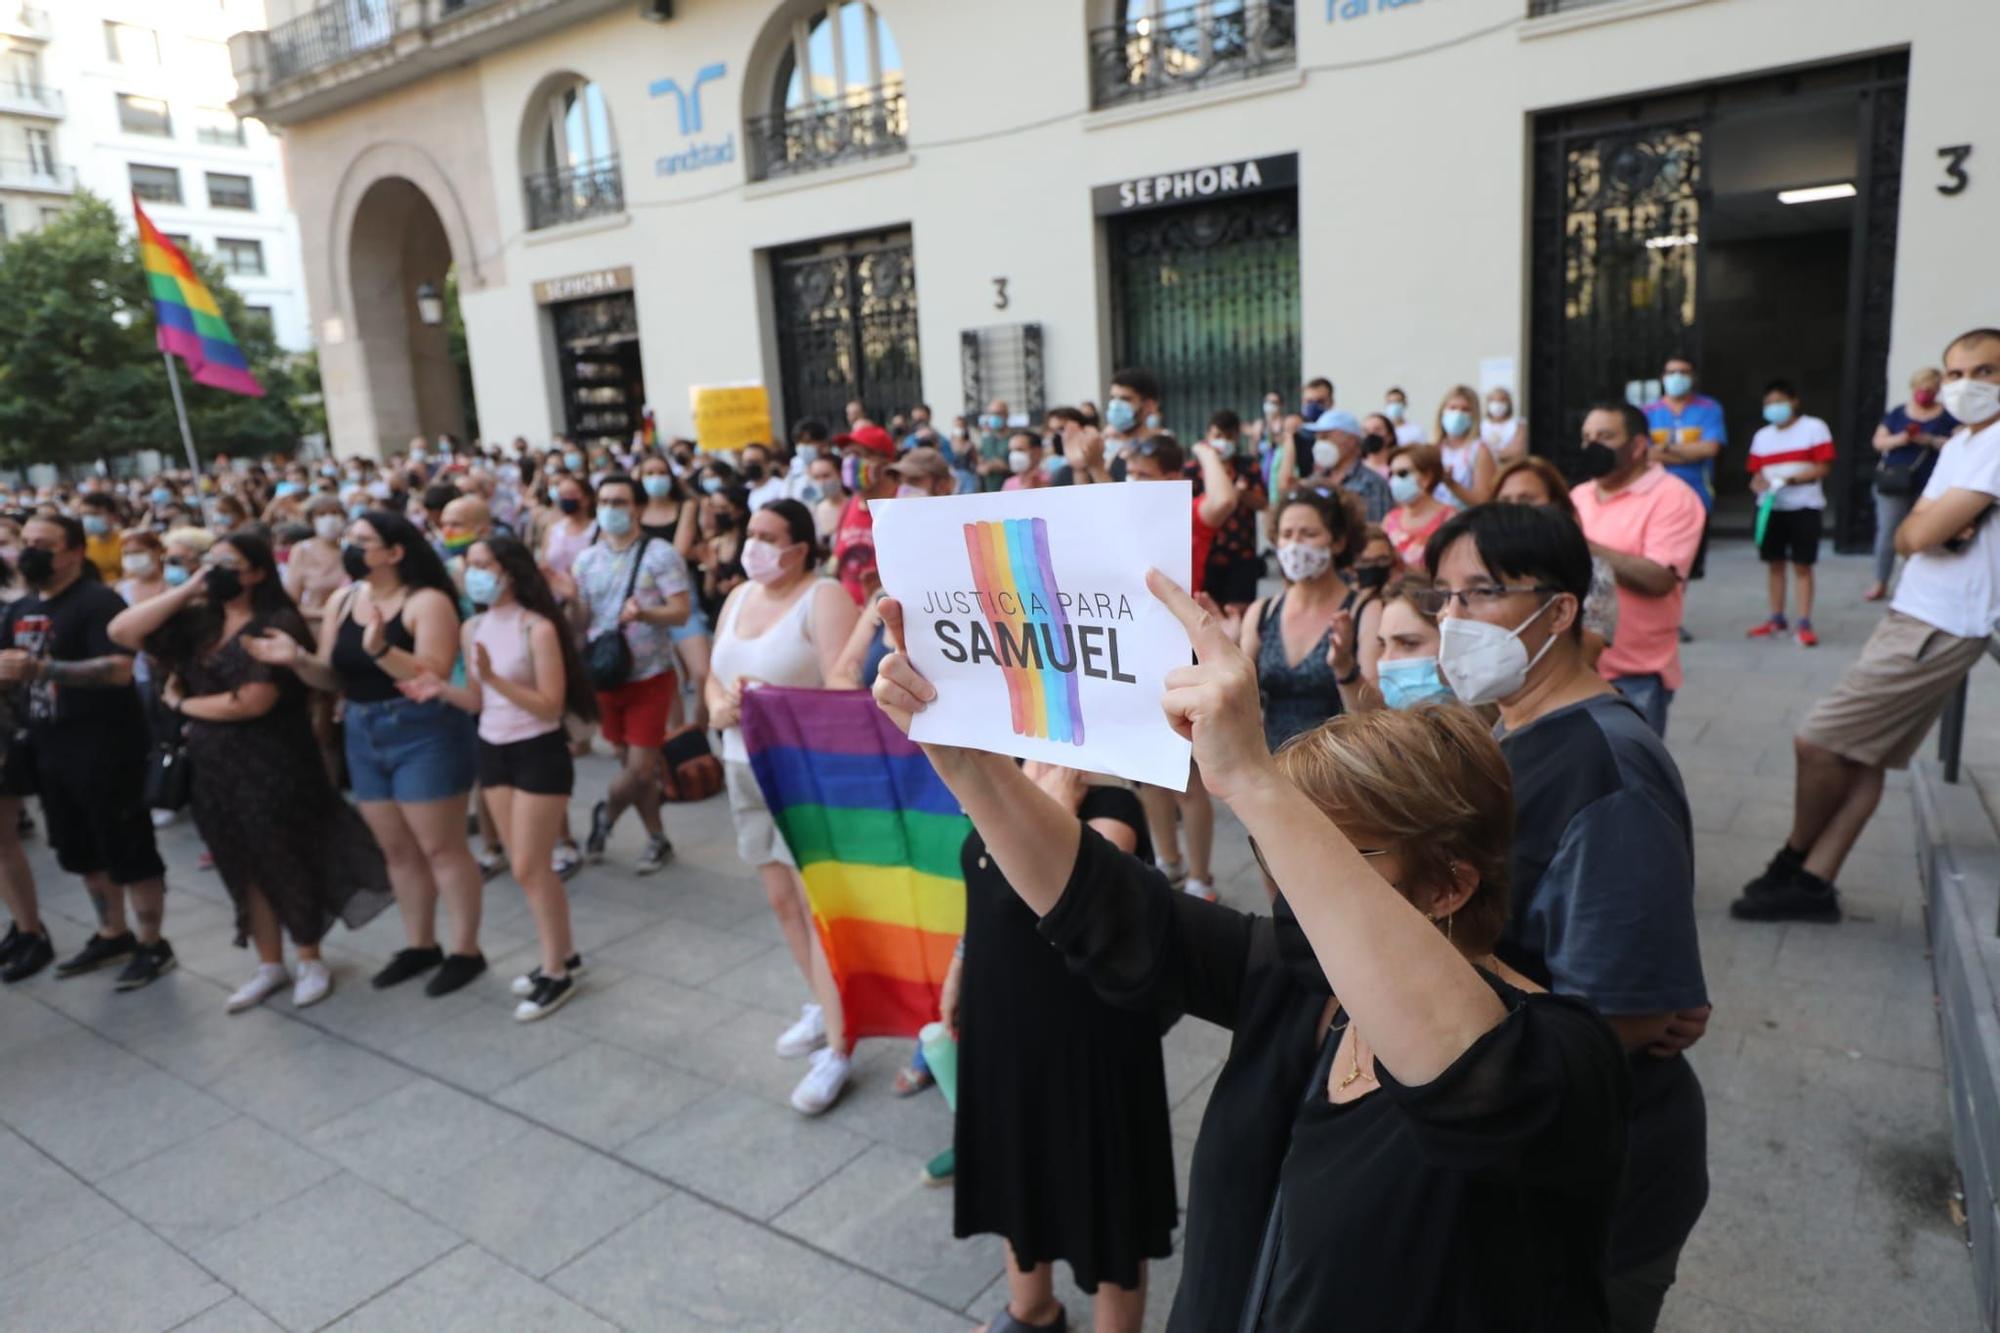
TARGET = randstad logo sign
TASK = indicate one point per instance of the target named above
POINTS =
(687, 103)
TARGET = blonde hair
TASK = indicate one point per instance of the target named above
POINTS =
(1471, 405)
(1927, 375)
(1429, 783)
(197, 540)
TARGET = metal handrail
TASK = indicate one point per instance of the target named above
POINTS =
(1194, 46)
(866, 122)
(1951, 725)
(329, 34)
(55, 175)
(587, 190)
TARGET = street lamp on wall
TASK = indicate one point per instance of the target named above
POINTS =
(430, 304)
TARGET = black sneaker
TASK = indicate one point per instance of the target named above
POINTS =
(458, 970)
(30, 955)
(25, 825)
(600, 832)
(149, 963)
(550, 994)
(95, 954)
(406, 964)
(1800, 896)
(573, 966)
(1784, 865)
(11, 941)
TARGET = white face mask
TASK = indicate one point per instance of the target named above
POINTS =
(1018, 461)
(1971, 401)
(1393, 411)
(1497, 409)
(138, 566)
(328, 527)
(1325, 454)
(1484, 663)
(1302, 561)
(762, 561)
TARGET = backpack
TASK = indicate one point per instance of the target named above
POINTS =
(691, 772)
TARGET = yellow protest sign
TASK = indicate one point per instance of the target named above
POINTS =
(730, 416)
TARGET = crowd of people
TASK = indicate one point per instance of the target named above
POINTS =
(1431, 678)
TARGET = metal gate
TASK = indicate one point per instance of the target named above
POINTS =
(847, 326)
(1207, 298)
(604, 393)
(1617, 259)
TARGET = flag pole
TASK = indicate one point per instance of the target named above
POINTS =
(187, 434)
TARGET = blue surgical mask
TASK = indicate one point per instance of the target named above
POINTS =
(574, 462)
(1778, 414)
(1052, 466)
(1456, 421)
(617, 522)
(1119, 415)
(993, 421)
(806, 454)
(482, 586)
(356, 511)
(162, 496)
(1410, 681)
(1154, 421)
(176, 575)
(711, 484)
(96, 524)
(657, 486)
(1677, 383)
(1405, 488)
(285, 488)
(555, 494)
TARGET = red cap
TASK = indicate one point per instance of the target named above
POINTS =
(871, 437)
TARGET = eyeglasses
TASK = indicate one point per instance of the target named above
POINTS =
(1258, 852)
(1433, 601)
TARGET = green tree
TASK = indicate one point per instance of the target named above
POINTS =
(80, 375)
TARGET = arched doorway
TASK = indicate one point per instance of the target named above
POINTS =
(399, 259)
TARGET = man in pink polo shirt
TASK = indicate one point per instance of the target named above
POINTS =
(1646, 524)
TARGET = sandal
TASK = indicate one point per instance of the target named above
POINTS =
(1005, 1322)
(911, 1080)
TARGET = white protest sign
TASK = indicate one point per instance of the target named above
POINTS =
(1029, 612)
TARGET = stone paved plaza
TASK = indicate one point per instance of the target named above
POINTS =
(390, 1162)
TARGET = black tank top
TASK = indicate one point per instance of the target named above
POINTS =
(362, 680)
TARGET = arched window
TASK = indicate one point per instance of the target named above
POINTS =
(571, 167)
(837, 94)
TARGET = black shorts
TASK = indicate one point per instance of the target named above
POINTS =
(1233, 582)
(93, 791)
(540, 765)
(17, 770)
(1792, 534)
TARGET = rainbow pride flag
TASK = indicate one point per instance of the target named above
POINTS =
(1024, 609)
(876, 835)
(187, 322)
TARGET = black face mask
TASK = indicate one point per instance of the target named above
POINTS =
(570, 506)
(223, 584)
(37, 566)
(1599, 460)
(354, 560)
(753, 471)
(1373, 445)
(1370, 577)
(1295, 951)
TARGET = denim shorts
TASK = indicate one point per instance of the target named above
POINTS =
(401, 750)
(694, 627)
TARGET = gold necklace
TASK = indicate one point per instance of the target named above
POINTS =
(1354, 1067)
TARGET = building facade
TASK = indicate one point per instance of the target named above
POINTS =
(639, 196)
(124, 96)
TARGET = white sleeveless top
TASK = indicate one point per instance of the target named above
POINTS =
(782, 655)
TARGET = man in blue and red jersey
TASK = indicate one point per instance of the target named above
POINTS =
(1688, 432)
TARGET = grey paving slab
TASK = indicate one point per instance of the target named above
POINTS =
(470, 1291)
(768, 979)
(114, 1123)
(688, 1265)
(310, 1081)
(125, 1279)
(860, 1301)
(646, 1015)
(603, 1095)
(485, 1049)
(876, 1212)
(541, 1200)
(684, 951)
(234, 1315)
(743, 1151)
(47, 1208)
(328, 1251)
(218, 1180)
(411, 1140)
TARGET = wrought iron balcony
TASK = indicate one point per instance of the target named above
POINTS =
(867, 122)
(590, 190)
(27, 99)
(50, 177)
(331, 33)
(1195, 46)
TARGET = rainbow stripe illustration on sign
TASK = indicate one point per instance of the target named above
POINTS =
(1024, 611)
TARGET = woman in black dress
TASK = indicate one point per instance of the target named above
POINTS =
(1062, 1141)
(294, 855)
(1406, 1135)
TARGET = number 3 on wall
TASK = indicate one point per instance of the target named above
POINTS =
(1954, 168)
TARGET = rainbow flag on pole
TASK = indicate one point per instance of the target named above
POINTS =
(876, 835)
(187, 321)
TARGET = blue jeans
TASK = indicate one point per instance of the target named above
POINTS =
(1650, 695)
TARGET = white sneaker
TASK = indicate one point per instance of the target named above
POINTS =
(566, 860)
(1199, 888)
(269, 979)
(823, 1083)
(162, 818)
(315, 983)
(805, 1036)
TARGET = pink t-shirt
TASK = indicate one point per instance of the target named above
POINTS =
(503, 632)
(1660, 517)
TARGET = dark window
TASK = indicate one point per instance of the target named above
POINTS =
(257, 317)
(229, 191)
(156, 185)
(240, 257)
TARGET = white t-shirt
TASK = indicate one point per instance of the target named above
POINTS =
(1499, 435)
(1803, 440)
(1412, 432)
(767, 490)
(1960, 594)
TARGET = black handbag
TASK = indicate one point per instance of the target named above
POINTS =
(607, 658)
(169, 775)
(1896, 481)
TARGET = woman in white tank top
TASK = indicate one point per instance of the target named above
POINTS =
(787, 626)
